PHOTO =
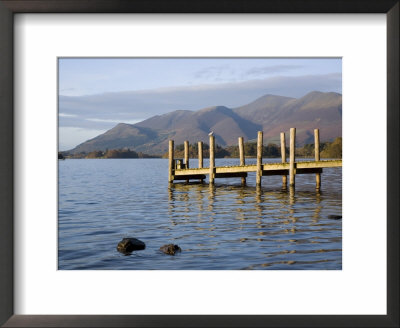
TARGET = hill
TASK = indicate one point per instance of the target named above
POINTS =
(270, 113)
(314, 110)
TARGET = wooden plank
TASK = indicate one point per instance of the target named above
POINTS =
(266, 167)
(303, 165)
(192, 171)
(276, 166)
(231, 175)
(190, 177)
(323, 164)
(298, 171)
(309, 171)
(227, 169)
(275, 172)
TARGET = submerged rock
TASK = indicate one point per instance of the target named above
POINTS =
(334, 217)
(170, 249)
(127, 245)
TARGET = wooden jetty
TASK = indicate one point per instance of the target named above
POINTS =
(179, 169)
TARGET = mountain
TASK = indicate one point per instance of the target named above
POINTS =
(195, 126)
(276, 114)
(263, 108)
(270, 113)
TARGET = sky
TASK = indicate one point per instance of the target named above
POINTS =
(95, 94)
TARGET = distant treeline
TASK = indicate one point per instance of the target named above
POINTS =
(327, 150)
(250, 150)
(109, 153)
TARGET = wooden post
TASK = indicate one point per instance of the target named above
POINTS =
(292, 156)
(283, 155)
(316, 142)
(259, 157)
(241, 156)
(200, 147)
(200, 150)
(186, 156)
(212, 159)
(171, 161)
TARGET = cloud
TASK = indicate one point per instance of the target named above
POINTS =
(113, 120)
(103, 111)
(271, 69)
(83, 123)
(226, 73)
(67, 89)
(66, 115)
(213, 72)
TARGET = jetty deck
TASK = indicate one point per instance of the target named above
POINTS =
(179, 168)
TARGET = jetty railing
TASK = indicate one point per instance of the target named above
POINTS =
(179, 170)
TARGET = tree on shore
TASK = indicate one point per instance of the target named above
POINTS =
(333, 149)
(327, 150)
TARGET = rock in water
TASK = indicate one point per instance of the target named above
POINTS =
(127, 245)
(170, 249)
(334, 217)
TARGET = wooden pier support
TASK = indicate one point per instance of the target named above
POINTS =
(179, 168)
(212, 160)
(186, 156)
(171, 161)
(241, 156)
(316, 142)
(292, 168)
(200, 152)
(283, 155)
(259, 157)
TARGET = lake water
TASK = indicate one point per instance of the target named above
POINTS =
(225, 227)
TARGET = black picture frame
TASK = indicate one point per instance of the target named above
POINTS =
(10, 7)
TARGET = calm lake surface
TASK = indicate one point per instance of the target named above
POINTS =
(225, 227)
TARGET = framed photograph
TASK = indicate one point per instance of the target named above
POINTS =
(231, 210)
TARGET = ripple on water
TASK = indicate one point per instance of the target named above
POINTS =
(225, 226)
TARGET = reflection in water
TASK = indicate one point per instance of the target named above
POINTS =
(222, 226)
(258, 203)
(318, 206)
(292, 201)
(284, 225)
(240, 201)
(211, 197)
